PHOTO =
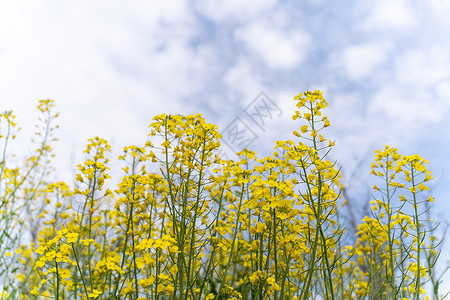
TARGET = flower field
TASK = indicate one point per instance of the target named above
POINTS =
(206, 228)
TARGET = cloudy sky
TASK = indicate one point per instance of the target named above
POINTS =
(111, 66)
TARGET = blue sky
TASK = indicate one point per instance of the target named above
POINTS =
(112, 65)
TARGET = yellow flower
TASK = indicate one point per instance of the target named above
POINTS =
(64, 273)
(140, 262)
(72, 237)
(34, 291)
(173, 270)
(147, 282)
(422, 187)
(40, 263)
(166, 144)
(261, 227)
(95, 293)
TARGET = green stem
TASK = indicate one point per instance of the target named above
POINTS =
(79, 270)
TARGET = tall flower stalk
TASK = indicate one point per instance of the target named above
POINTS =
(185, 223)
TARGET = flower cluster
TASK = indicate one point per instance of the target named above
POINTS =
(183, 223)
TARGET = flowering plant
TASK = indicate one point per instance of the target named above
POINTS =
(206, 228)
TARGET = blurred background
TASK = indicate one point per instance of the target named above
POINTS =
(111, 66)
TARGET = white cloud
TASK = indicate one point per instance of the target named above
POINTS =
(440, 7)
(346, 112)
(362, 60)
(233, 10)
(390, 15)
(443, 90)
(405, 107)
(423, 67)
(108, 70)
(277, 47)
(243, 78)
